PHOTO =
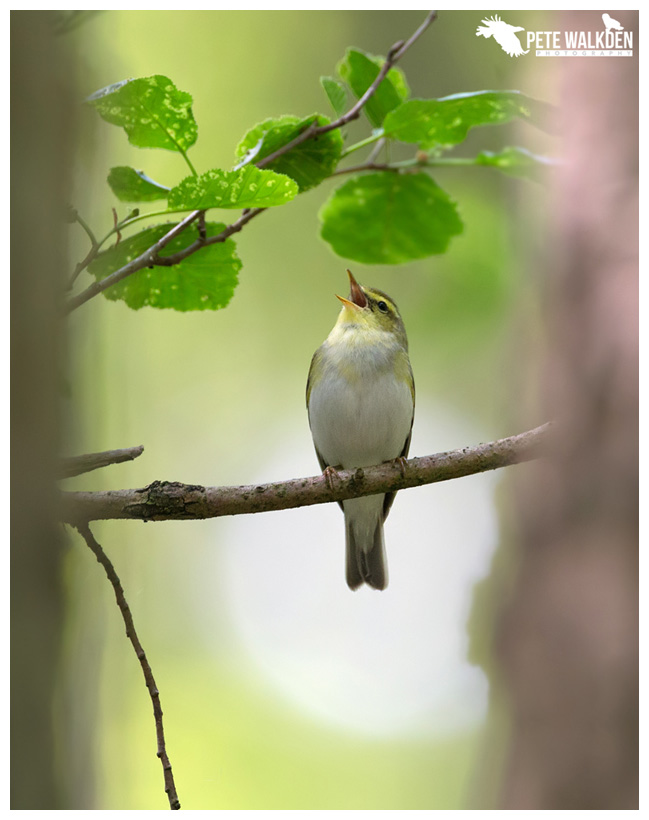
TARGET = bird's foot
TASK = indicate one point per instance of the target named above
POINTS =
(402, 464)
(330, 473)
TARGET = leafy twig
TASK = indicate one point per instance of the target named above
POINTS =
(96, 245)
(165, 500)
(86, 534)
(151, 257)
(396, 52)
(144, 260)
(423, 160)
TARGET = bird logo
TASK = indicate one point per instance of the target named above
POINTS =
(503, 34)
(610, 23)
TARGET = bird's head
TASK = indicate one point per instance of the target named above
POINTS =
(370, 309)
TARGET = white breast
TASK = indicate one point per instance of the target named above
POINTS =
(362, 420)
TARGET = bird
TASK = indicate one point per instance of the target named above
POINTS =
(610, 23)
(361, 400)
(503, 34)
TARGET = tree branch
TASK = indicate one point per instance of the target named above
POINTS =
(100, 555)
(170, 500)
(76, 465)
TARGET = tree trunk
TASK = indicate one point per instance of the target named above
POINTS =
(568, 641)
(41, 126)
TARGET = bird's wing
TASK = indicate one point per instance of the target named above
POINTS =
(388, 498)
(315, 361)
(315, 364)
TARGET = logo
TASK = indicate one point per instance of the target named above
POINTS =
(612, 40)
(503, 34)
(610, 23)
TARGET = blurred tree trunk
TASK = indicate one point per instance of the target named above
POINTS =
(41, 129)
(568, 641)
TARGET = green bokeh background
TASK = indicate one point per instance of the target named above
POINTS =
(209, 395)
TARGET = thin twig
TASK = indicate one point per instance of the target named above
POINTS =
(94, 247)
(366, 166)
(86, 227)
(81, 266)
(376, 150)
(118, 234)
(170, 787)
(412, 164)
(167, 500)
(76, 465)
(202, 231)
(174, 259)
(430, 18)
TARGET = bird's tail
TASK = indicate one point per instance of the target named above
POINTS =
(365, 548)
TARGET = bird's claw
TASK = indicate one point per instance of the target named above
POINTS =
(330, 473)
(402, 464)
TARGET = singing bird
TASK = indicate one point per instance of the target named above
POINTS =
(361, 399)
(610, 23)
(503, 34)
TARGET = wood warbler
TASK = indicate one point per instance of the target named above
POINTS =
(361, 399)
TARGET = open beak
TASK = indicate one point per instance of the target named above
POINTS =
(357, 298)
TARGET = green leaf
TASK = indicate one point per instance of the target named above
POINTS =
(308, 163)
(249, 187)
(204, 281)
(152, 111)
(359, 70)
(446, 121)
(130, 185)
(389, 218)
(516, 162)
(336, 94)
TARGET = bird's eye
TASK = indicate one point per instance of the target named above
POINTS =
(382, 307)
